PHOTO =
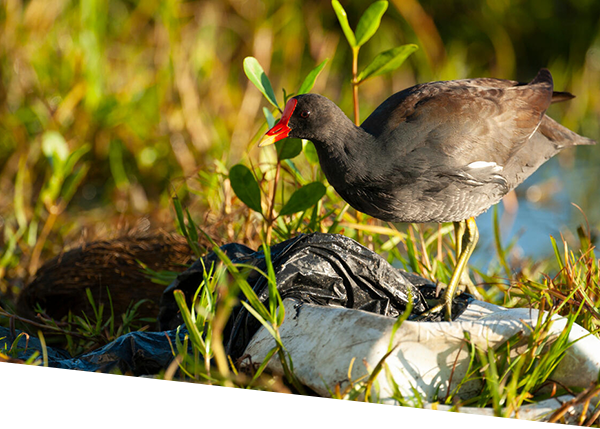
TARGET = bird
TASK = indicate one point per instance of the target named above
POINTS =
(443, 151)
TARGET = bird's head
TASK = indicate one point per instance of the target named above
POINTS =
(306, 116)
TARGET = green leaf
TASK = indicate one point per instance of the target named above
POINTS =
(343, 18)
(294, 171)
(387, 61)
(73, 181)
(254, 305)
(311, 77)
(288, 148)
(257, 76)
(245, 186)
(19, 194)
(271, 282)
(180, 219)
(260, 317)
(310, 152)
(269, 116)
(303, 198)
(369, 22)
(193, 331)
(265, 362)
(400, 320)
(192, 231)
(117, 168)
(72, 159)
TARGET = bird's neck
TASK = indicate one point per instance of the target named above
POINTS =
(347, 154)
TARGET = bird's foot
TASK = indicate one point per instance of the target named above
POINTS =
(424, 316)
(443, 304)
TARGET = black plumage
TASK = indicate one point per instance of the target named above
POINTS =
(436, 152)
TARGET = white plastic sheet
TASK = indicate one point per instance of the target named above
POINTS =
(430, 357)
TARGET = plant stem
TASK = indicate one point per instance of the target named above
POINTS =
(53, 212)
(270, 217)
(355, 85)
(40, 325)
(220, 320)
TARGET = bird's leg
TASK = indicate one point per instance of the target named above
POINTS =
(459, 232)
(467, 235)
(468, 242)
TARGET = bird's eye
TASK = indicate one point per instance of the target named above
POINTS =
(304, 114)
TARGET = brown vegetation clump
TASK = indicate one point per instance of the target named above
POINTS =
(59, 286)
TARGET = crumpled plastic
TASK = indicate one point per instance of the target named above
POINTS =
(136, 353)
(317, 268)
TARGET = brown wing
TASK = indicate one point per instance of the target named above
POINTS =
(464, 121)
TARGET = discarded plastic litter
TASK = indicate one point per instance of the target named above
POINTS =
(322, 269)
(136, 353)
(323, 341)
(341, 301)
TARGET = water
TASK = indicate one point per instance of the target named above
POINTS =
(554, 188)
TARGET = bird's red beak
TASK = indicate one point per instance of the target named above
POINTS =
(281, 130)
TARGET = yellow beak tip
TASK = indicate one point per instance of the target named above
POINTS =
(266, 141)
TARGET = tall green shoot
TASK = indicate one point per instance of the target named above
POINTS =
(367, 26)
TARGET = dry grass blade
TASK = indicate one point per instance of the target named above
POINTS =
(581, 399)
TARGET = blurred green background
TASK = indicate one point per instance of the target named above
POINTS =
(153, 94)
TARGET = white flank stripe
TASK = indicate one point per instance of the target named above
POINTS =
(485, 164)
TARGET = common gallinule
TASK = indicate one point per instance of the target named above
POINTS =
(436, 152)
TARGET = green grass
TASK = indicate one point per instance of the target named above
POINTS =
(113, 111)
(512, 374)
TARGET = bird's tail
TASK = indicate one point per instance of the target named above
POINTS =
(561, 136)
(560, 96)
(543, 78)
(552, 130)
